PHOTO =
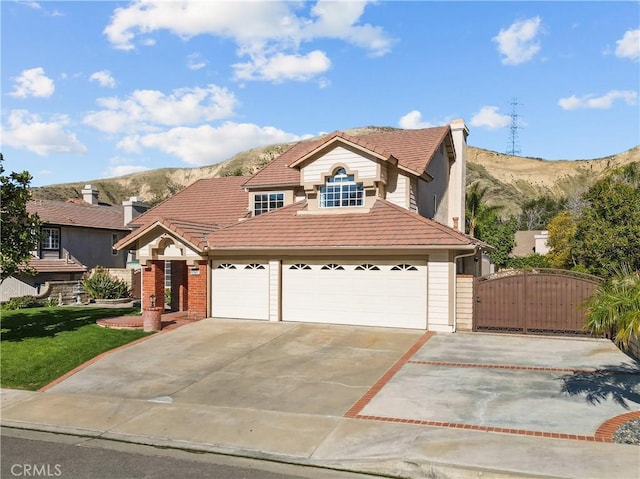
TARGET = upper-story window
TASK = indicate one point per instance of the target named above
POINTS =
(341, 190)
(50, 238)
(265, 202)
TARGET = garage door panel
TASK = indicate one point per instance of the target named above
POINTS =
(240, 290)
(376, 296)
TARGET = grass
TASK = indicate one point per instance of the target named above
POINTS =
(38, 345)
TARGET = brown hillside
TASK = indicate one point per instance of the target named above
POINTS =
(511, 179)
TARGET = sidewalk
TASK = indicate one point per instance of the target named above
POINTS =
(388, 449)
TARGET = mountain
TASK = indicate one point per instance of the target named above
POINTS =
(512, 180)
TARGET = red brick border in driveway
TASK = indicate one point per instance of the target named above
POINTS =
(604, 433)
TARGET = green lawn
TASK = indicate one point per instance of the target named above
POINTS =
(38, 345)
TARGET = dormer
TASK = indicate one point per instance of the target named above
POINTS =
(342, 177)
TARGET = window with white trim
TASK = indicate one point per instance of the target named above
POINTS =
(333, 266)
(226, 266)
(404, 267)
(341, 190)
(114, 240)
(50, 238)
(254, 266)
(299, 266)
(367, 267)
(265, 202)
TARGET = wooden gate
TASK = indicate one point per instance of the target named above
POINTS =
(536, 301)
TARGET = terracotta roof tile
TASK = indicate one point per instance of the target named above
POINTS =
(220, 201)
(412, 148)
(203, 206)
(194, 233)
(385, 225)
(78, 214)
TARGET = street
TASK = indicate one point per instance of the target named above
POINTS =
(37, 454)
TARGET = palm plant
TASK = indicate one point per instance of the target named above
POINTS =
(614, 308)
(476, 209)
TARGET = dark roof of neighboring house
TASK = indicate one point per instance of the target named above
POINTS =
(385, 225)
(56, 266)
(413, 149)
(78, 214)
(212, 201)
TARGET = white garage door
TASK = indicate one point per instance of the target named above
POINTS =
(365, 294)
(240, 290)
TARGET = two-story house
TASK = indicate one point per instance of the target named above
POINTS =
(76, 236)
(359, 230)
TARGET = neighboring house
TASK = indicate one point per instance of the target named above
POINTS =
(77, 235)
(364, 230)
(529, 242)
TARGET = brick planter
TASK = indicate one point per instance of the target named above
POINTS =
(152, 319)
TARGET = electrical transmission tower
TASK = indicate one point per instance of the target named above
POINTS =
(513, 148)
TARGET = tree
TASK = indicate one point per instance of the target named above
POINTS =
(562, 229)
(19, 230)
(537, 213)
(499, 233)
(607, 235)
(477, 210)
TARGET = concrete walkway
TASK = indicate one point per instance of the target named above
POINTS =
(391, 402)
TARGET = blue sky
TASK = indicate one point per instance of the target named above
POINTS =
(99, 89)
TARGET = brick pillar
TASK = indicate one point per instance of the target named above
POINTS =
(197, 290)
(153, 283)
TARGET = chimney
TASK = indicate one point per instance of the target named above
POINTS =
(90, 194)
(458, 174)
(133, 207)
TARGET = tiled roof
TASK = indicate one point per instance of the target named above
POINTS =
(56, 266)
(205, 205)
(194, 233)
(385, 225)
(220, 201)
(412, 148)
(78, 214)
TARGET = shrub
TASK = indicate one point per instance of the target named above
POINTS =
(534, 260)
(22, 302)
(101, 285)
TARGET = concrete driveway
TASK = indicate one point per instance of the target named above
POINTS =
(564, 387)
(504, 383)
(289, 367)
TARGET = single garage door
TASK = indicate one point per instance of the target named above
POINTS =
(240, 290)
(357, 293)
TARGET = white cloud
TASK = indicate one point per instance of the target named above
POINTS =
(629, 45)
(122, 170)
(518, 43)
(270, 33)
(205, 145)
(28, 131)
(33, 82)
(282, 67)
(195, 61)
(602, 102)
(104, 78)
(146, 110)
(489, 117)
(413, 121)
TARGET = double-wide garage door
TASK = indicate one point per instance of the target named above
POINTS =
(392, 294)
(357, 293)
